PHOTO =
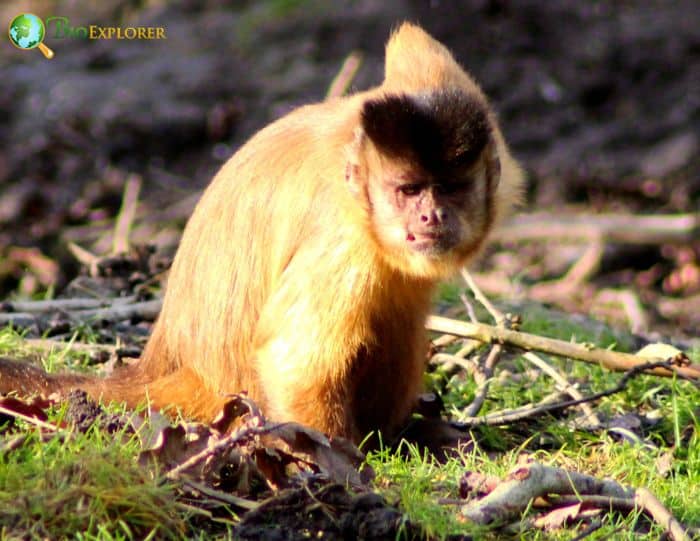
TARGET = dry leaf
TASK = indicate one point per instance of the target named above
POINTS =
(35, 408)
(243, 452)
(559, 517)
(664, 464)
(659, 351)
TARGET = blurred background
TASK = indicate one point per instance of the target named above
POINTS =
(599, 100)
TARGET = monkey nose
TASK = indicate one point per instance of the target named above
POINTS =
(433, 218)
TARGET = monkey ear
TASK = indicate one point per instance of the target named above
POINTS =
(492, 163)
(354, 177)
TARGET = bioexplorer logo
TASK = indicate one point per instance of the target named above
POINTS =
(27, 31)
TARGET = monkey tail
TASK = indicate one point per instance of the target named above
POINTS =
(129, 384)
(25, 378)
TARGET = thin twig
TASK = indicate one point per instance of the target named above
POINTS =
(549, 403)
(468, 348)
(485, 374)
(342, 81)
(471, 313)
(126, 215)
(444, 340)
(531, 410)
(448, 361)
(612, 360)
(497, 315)
(593, 527)
(84, 257)
(223, 443)
(222, 496)
(29, 419)
(486, 371)
(590, 416)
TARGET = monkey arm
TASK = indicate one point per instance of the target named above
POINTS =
(308, 335)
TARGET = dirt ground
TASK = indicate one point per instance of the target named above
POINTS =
(599, 100)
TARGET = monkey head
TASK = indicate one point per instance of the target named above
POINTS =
(427, 174)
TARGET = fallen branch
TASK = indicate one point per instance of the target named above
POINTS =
(624, 505)
(145, 310)
(117, 311)
(63, 304)
(513, 496)
(622, 228)
(552, 402)
(612, 360)
(643, 499)
(654, 508)
(583, 269)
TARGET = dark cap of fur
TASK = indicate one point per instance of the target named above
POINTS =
(443, 129)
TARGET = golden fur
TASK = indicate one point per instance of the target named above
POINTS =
(283, 287)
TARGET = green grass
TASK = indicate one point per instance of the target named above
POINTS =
(87, 485)
(12, 344)
(90, 486)
(540, 320)
(74, 485)
(419, 484)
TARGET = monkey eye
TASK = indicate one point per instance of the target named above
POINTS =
(410, 189)
(447, 188)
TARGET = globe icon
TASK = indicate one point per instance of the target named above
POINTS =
(27, 32)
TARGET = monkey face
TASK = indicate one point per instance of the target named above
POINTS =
(432, 216)
(430, 176)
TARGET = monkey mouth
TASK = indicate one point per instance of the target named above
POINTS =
(432, 242)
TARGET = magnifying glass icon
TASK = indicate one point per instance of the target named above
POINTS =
(27, 31)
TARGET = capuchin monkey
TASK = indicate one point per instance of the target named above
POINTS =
(305, 273)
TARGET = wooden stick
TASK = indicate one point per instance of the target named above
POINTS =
(341, 82)
(63, 304)
(623, 228)
(612, 360)
(524, 483)
(646, 500)
(127, 212)
(564, 384)
(118, 311)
